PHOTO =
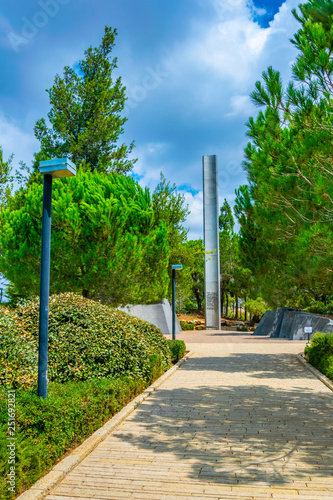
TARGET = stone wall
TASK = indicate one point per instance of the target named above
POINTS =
(290, 324)
(159, 315)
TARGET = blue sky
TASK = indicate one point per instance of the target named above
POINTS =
(188, 66)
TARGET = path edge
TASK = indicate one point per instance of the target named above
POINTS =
(42, 487)
(315, 372)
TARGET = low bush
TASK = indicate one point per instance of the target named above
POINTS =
(86, 340)
(319, 308)
(187, 326)
(320, 353)
(156, 367)
(99, 359)
(177, 349)
(189, 306)
(242, 328)
(46, 429)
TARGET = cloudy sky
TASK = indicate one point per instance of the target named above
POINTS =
(188, 66)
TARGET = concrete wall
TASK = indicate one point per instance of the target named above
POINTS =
(159, 315)
(290, 324)
(265, 324)
(318, 324)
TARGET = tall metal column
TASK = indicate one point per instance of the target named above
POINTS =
(211, 243)
(173, 304)
(44, 287)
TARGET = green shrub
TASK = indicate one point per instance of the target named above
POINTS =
(46, 429)
(177, 349)
(256, 307)
(86, 340)
(155, 366)
(318, 308)
(189, 306)
(320, 353)
(242, 328)
(187, 326)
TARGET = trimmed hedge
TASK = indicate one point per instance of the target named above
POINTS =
(177, 348)
(90, 347)
(320, 353)
(86, 340)
(46, 429)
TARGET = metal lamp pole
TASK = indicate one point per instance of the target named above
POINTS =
(174, 268)
(51, 168)
(44, 287)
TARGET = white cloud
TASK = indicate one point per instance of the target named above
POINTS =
(240, 106)
(225, 48)
(149, 165)
(210, 74)
(195, 219)
(196, 90)
(16, 140)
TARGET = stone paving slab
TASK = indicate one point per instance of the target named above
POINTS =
(240, 420)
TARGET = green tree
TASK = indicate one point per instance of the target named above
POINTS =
(289, 166)
(191, 279)
(86, 113)
(170, 208)
(105, 244)
(228, 251)
(226, 219)
(5, 179)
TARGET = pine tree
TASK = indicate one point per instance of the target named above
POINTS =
(104, 242)
(86, 113)
(289, 165)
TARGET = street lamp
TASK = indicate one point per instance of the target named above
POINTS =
(60, 167)
(174, 268)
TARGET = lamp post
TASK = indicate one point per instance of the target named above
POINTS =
(174, 268)
(50, 168)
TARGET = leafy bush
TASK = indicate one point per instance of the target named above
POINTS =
(256, 306)
(177, 348)
(319, 307)
(46, 429)
(86, 340)
(187, 326)
(155, 366)
(189, 306)
(242, 328)
(320, 353)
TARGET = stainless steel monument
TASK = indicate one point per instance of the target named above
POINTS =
(211, 242)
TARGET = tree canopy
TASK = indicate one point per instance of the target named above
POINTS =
(287, 213)
(5, 179)
(105, 240)
(86, 113)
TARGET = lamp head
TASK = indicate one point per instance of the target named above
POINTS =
(60, 167)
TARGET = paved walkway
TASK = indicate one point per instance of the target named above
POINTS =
(242, 419)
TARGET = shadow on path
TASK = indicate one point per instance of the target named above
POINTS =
(236, 431)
